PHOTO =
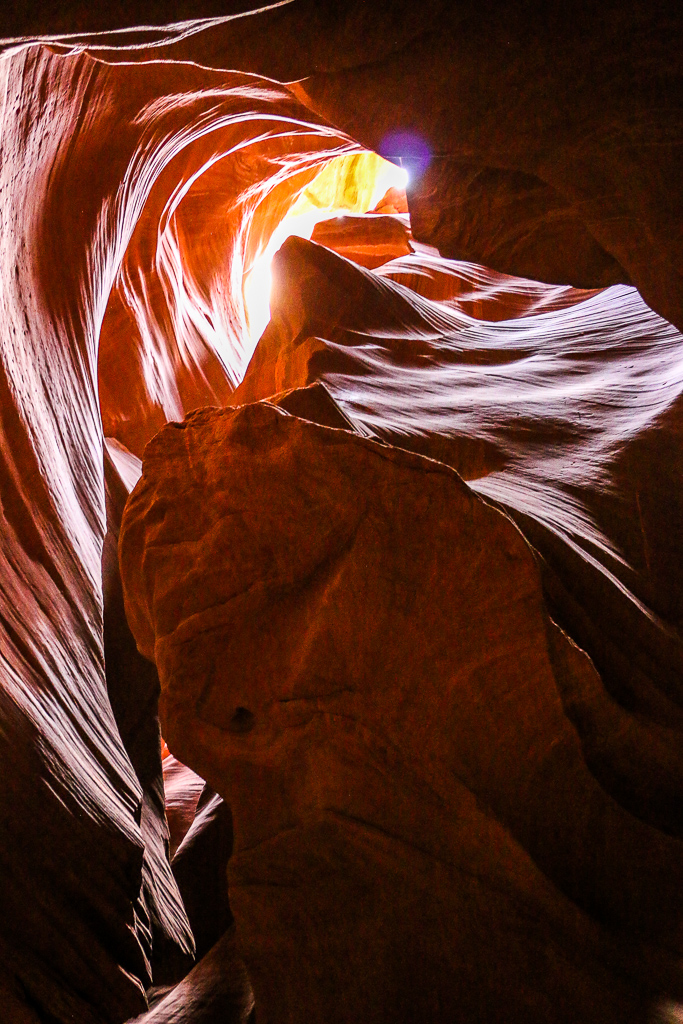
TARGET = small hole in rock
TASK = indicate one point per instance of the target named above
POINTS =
(242, 721)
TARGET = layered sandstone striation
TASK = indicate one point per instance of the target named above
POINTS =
(95, 157)
(143, 175)
(547, 143)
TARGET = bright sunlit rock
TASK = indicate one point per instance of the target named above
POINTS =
(348, 184)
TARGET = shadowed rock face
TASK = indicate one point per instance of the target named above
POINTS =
(354, 650)
(216, 991)
(133, 691)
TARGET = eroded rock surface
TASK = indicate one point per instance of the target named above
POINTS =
(369, 240)
(133, 691)
(354, 650)
(92, 156)
(141, 175)
(567, 414)
(534, 169)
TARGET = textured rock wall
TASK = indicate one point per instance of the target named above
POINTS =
(554, 135)
(568, 419)
(141, 173)
(74, 928)
(85, 878)
(354, 650)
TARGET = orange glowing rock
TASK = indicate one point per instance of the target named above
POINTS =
(100, 156)
(146, 179)
(370, 240)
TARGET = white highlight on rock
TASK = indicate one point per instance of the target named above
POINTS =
(300, 221)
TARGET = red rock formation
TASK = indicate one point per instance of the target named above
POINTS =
(478, 291)
(175, 334)
(90, 150)
(370, 240)
(537, 169)
(394, 200)
(569, 420)
(351, 648)
(138, 181)
(554, 136)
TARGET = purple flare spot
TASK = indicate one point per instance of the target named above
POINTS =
(407, 149)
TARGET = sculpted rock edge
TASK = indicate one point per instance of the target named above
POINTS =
(354, 651)
(139, 182)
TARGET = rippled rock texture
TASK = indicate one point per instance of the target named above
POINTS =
(95, 157)
(567, 415)
(142, 177)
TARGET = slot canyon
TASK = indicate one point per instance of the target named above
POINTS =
(341, 492)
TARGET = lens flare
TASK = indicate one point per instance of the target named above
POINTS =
(409, 150)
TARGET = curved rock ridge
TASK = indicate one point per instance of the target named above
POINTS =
(141, 175)
(476, 290)
(384, 242)
(354, 650)
(101, 164)
(533, 167)
(569, 419)
(176, 333)
(77, 841)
